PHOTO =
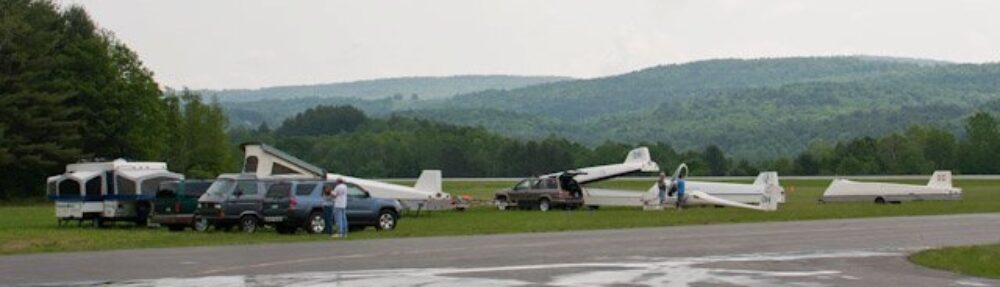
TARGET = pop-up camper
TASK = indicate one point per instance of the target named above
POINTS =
(107, 191)
(266, 161)
(938, 188)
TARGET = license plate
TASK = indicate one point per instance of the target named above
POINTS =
(274, 218)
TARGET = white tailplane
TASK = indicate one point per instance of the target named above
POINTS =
(941, 178)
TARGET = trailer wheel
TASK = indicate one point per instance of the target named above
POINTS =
(248, 223)
(879, 200)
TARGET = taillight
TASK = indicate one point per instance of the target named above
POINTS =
(177, 207)
(292, 203)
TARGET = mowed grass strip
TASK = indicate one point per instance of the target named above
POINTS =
(980, 260)
(32, 229)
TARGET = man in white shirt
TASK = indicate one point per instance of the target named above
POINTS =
(340, 207)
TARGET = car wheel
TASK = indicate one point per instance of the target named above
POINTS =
(386, 220)
(248, 223)
(175, 227)
(315, 223)
(879, 200)
(200, 224)
(543, 205)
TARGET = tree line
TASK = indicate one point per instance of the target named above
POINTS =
(70, 91)
(343, 139)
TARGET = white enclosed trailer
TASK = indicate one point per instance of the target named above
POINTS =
(938, 188)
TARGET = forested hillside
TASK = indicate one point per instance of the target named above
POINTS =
(410, 88)
(345, 140)
(755, 109)
(70, 91)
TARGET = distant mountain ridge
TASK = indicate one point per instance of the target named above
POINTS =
(423, 87)
(755, 109)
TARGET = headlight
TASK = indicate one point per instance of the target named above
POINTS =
(218, 206)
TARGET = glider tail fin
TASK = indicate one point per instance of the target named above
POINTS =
(641, 155)
(941, 178)
(429, 181)
(767, 178)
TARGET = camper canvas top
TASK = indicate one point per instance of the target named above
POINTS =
(118, 164)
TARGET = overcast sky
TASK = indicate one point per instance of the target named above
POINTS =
(249, 44)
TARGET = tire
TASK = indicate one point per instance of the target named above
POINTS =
(544, 205)
(200, 224)
(249, 223)
(175, 227)
(879, 200)
(386, 220)
(315, 223)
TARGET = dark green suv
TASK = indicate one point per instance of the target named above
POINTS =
(176, 203)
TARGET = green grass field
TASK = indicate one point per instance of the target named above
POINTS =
(32, 228)
(980, 260)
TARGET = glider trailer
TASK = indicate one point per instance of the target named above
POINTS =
(938, 188)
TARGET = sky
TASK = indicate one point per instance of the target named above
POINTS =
(213, 44)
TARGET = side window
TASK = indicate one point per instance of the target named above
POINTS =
(523, 185)
(250, 165)
(550, 183)
(125, 186)
(279, 190)
(69, 187)
(304, 189)
(277, 169)
(247, 187)
(94, 186)
(353, 191)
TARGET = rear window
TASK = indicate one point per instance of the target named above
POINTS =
(150, 186)
(196, 189)
(304, 189)
(279, 190)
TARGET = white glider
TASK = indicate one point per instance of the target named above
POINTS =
(764, 194)
(938, 188)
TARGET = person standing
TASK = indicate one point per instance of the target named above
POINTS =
(680, 191)
(662, 186)
(340, 207)
(328, 199)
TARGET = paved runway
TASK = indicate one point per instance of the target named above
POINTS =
(852, 252)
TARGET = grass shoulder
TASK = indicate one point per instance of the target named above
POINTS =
(977, 260)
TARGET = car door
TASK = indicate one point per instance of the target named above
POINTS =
(244, 197)
(359, 204)
(521, 190)
(276, 202)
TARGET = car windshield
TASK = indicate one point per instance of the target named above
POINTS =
(220, 187)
